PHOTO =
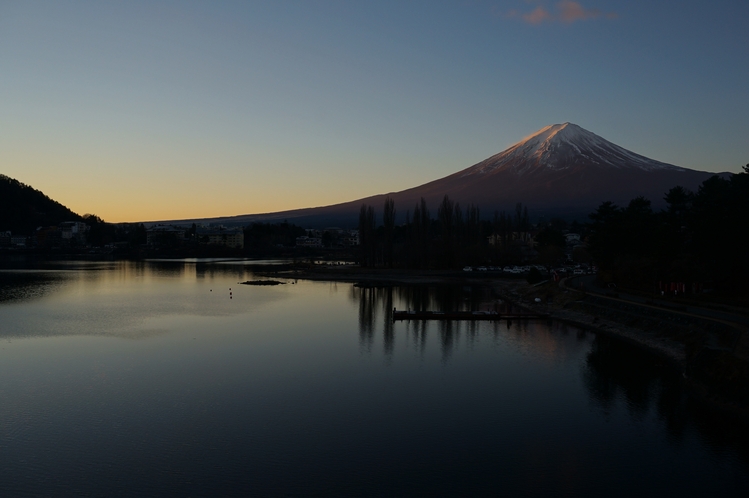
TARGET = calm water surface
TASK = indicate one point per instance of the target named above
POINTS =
(152, 378)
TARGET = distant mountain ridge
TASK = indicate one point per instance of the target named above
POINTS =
(560, 170)
(23, 208)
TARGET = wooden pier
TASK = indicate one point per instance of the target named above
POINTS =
(464, 315)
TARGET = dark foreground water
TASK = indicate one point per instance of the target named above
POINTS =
(127, 379)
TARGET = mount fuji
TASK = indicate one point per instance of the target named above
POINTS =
(562, 170)
(563, 147)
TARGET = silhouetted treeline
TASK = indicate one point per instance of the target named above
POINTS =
(698, 241)
(455, 237)
(127, 236)
(23, 208)
(267, 238)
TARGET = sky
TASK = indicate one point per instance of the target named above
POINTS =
(158, 110)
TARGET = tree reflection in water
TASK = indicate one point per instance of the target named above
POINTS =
(614, 371)
(377, 302)
(617, 371)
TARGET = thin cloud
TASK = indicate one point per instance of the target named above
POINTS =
(573, 11)
(537, 16)
(566, 11)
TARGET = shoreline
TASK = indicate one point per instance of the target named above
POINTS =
(708, 387)
(512, 290)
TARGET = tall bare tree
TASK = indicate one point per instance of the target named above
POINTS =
(388, 220)
(367, 241)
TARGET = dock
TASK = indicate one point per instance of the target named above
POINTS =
(464, 315)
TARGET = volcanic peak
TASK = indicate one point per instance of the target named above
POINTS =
(561, 147)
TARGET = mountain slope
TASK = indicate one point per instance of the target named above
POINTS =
(565, 147)
(23, 208)
(561, 170)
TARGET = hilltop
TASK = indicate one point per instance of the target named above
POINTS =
(23, 208)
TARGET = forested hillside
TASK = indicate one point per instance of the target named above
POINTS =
(23, 208)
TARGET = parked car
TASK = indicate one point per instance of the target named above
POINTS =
(467, 268)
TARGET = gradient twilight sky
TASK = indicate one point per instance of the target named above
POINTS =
(155, 110)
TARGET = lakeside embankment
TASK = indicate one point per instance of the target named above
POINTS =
(555, 299)
(708, 352)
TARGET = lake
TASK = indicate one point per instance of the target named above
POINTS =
(154, 378)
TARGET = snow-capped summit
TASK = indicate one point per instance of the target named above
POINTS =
(565, 146)
(561, 170)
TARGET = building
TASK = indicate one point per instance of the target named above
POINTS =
(73, 232)
(305, 241)
(221, 236)
(19, 241)
(47, 237)
(351, 238)
(165, 235)
(512, 238)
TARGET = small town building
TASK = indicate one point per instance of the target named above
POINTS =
(73, 232)
(351, 238)
(222, 236)
(47, 237)
(19, 240)
(305, 241)
(165, 235)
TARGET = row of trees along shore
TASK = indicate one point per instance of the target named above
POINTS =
(700, 240)
(456, 237)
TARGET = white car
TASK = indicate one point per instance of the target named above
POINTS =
(467, 268)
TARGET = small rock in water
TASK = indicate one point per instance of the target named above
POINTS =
(262, 282)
